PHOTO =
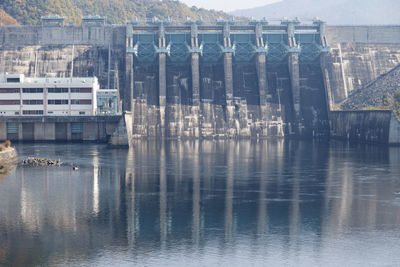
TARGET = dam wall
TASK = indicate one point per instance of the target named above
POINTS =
(217, 80)
(227, 81)
(366, 126)
(359, 54)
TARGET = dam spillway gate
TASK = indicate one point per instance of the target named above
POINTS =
(226, 80)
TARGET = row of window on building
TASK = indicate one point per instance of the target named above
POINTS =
(49, 102)
(49, 90)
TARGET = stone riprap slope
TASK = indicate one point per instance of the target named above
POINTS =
(373, 93)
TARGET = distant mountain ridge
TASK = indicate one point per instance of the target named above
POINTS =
(117, 11)
(337, 12)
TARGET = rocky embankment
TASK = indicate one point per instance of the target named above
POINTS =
(373, 94)
(40, 162)
(8, 160)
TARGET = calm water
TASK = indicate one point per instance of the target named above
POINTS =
(207, 203)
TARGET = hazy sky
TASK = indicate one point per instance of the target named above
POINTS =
(227, 5)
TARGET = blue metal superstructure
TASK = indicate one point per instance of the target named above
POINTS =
(290, 36)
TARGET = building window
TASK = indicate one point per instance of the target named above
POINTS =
(9, 102)
(12, 127)
(16, 113)
(32, 112)
(9, 90)
(13, 80)
(81, 90)
(58, 90)
(57, 102)
(32, 90)
(76, 127)
(82, 112)
(33, 102)
(81, 102)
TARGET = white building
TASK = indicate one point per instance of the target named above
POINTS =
(20, 95)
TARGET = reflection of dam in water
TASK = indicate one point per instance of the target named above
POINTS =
(200, 194)
(215, 80)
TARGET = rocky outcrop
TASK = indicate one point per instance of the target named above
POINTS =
(8, 161)
(40, 162)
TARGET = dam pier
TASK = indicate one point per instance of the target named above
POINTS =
(194, 79)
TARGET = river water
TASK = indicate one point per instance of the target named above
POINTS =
(246, 203)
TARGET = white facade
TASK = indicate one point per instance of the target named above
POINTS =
(20, 95)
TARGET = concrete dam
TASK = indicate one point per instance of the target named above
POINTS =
(218, 80)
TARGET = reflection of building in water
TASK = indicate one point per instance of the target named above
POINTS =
(96, 183)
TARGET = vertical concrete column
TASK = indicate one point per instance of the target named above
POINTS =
(293, 64)
(162, 78)
(195, 66)
(195, 79)
(45, 102)
(69, 101)
(327, 84)
(228, 76)
(262, 76)
(294, 73)
(128, 94)
(20, 132)
(323, 62)
(261, 61)
(228, 64)
(129, 70)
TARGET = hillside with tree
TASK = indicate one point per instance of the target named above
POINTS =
(6, 19)
(117, 11)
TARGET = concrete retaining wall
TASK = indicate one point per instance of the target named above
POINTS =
(379, 126)
(372, 34)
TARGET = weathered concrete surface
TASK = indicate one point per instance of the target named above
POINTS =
(209, 121)
(44, 131)
(122, 135)
(394, 132)
(365, 126)
(359, 54)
